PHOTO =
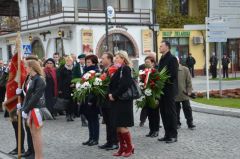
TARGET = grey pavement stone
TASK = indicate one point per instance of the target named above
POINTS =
(216, 137)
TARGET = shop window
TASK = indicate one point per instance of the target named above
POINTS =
(184, 7)
(179, 48)
(118, 42)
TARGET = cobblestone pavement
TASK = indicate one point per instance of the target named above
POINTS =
(216, 137)
(199, 84)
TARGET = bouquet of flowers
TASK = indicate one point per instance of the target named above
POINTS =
(91, 83)
(151, 84)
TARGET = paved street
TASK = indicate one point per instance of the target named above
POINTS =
(215, 137)
(199, 83)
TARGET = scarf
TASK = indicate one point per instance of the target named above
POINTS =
(68, 67)
(52, 73)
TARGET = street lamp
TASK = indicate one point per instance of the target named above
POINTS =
(155, 28)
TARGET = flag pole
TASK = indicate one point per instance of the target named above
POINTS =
(18, 48)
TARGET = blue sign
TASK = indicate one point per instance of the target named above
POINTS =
(27, 49)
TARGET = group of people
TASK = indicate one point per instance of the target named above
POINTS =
(53, 78)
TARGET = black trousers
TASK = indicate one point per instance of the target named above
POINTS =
(154, 119)
(2, 94)
(187, 110)
(70, 108)
(225, 72)
(213, 71)
(111, 131)
(169, 116)
(143, 115)
(191, 69)
(29, 136)
(93, 125)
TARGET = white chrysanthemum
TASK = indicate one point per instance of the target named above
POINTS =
(85, 85)
(92, 71)
(97, 82)
(78, 85)
(141, 72)
(148, 92)
(71, 94)
(86, 76)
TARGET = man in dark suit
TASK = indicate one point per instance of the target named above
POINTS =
(111, 131)
(167, 103)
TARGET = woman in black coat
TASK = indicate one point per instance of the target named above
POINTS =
(90, 108)
(65, 86)
(122, 109)
(51, 90)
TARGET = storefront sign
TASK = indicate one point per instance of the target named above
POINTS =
(176, 33)
(87, 41)
(147, 41)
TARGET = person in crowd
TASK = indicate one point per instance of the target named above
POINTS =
(167, 103)
(56, 58)
(51, 91)
(225, 63)
(14, 118)
(153, 114)
(122, 110)
(90, 108)
(81, 59)
(65, 86)
(190, 62)
(3, 82)
(111, 132)
(213, 65)
(31, 104)
(184, 91)
(74, 57)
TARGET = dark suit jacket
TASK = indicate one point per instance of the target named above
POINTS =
(170, 62)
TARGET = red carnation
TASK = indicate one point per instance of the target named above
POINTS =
(103, 76)
(112, 70)
(153, 70)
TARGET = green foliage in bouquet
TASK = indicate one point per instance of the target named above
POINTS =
(91, 83)
(151, 83)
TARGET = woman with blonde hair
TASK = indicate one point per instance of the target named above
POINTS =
(32, 104)
(65, 86)
(122, 110)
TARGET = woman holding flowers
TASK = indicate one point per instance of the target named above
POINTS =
(90, 108)
(153, 113)
(122, 109)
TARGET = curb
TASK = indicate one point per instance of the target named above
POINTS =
(209, 109)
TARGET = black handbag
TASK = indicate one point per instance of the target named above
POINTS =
(61, 104)
(133, 92)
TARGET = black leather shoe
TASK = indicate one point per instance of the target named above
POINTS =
(27, 153)
(171, 140)
(163, 139)
(191, 126)
(154, 134)
(92, 143)
(15, 151)
(87, 142)
(149, 134)
(104, 146)
(113, 147)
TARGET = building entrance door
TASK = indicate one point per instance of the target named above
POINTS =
(37, 49)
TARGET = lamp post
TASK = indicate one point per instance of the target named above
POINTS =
(155, 29)
(106, 24)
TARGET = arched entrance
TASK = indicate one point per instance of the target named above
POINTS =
(37, 49)
(118, 40)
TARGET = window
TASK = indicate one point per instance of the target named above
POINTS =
(38, 8)
(179, 48)
(184, 7)
(59, 46)
(118, 5)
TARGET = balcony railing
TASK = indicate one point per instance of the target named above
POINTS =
(67, 16)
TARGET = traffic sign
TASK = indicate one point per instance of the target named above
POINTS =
(216, 39)
(27, 49)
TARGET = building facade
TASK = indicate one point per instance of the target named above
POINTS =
(78, 26)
